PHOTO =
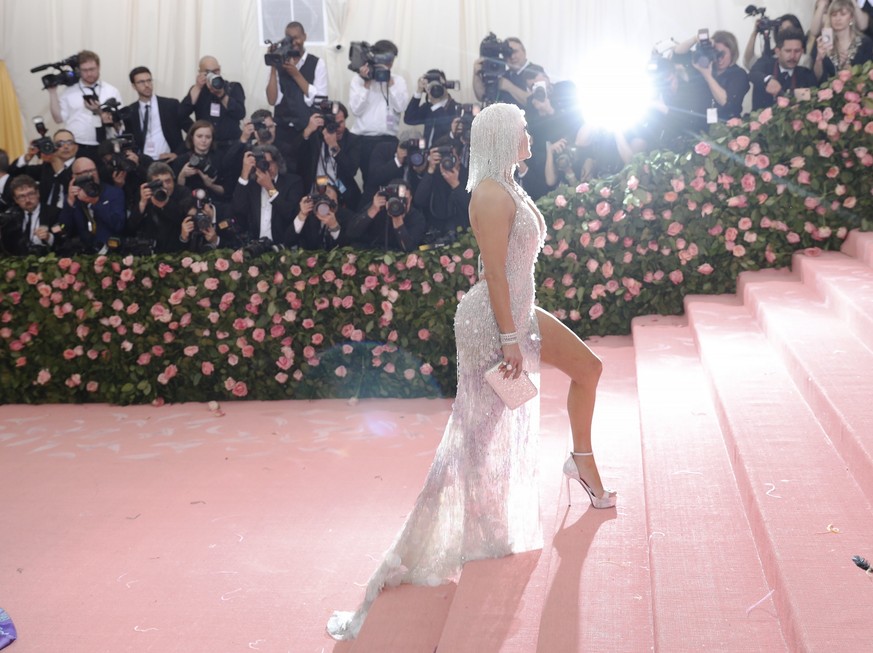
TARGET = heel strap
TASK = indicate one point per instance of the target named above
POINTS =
(577, 453)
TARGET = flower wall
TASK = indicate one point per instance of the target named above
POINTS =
(363, 324)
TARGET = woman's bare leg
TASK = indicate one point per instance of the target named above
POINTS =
(566, 351)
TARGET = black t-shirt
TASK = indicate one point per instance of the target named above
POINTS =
(735, 81)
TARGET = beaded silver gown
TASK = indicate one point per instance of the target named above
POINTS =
(480, 498)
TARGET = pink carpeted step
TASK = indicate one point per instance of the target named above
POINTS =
(807, 513)
(846, 286)
(829, 365)
(585, 590)
(859, 245)
(702, 553)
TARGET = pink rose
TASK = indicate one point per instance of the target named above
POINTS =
(676, 277)
(595, 311)
(633, 183)
(674, 229)
(602, 209)
(207, 368)
(705, 269)
(670, 196)
(560, 201)
(739, 251)
(240, 389)
(703, 148)
(423, 334)
(582, 188)
(607, 269)
(191, 350)
(780, 170)
(745, 223)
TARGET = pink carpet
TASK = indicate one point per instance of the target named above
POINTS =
(739, 436)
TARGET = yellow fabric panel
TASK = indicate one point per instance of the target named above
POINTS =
(11, 132)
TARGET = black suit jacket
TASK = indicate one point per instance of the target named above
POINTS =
(802, 78)
(45, 175)
(173, 126)
(315, 236)
(348, 162)
(14, 242)
(246, 206)
(6, 201)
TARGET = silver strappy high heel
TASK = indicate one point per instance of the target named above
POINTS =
(605, 500)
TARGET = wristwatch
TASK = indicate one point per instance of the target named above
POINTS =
(272, 192)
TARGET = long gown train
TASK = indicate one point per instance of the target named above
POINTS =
(480, 498)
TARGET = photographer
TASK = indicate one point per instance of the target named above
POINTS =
(716, 61)
(157, 216)
(153, 120)
(201, 165)
(93, 212)
(330, 150)
(513, 85)
(52, 169)
(677, 113)
(406, 160)
(261, 129)
(266, 195)
(553, 117)
(217, 101)
(377, 99)
(79, 106)
(199, 231)
(26, 228)
(764, 27)
(780, 75)
(441, 195)
(389, 222)
(437, 110)
(120, 166)
(296, 79)
(321, 222)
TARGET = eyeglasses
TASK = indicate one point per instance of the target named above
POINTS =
(65, 141)
(26, 195)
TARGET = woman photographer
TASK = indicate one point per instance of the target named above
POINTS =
(841, 45)
(199, 167)
(716, 60)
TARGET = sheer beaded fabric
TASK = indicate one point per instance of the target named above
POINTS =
(480, 498)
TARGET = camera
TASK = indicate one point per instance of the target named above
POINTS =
(436, 86)
(203, 164)
(135, 246)
(215, 81)
(327, 109)
(415, 151)
(766, 25)
(539, 92)
(202, 222)
(158, 190)
(261, 162)
(120, 145)
(281, 52)
(201, 199)
(67, 75)
(44, 143)
(705, 54)
(322, 204)
(90, 187)
(395, 194)
(261, 130)
(466, 112)
(567, 159)
(114, 108)
(448, 158)
(361, 53)
(494, 53)
(256, 248)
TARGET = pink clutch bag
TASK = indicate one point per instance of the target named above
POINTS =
(513, 392)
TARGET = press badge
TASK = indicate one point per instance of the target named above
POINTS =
(711, 116)
(215, 110)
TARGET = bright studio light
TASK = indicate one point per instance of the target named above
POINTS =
(614, 89)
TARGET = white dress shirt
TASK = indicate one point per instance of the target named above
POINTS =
(378, 109)
(78, 119)
(318, 85)
(155, 143)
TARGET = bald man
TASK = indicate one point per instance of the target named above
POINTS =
(217, 100)
(93, 212)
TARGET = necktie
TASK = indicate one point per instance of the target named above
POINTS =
(145, 121)
(29, 233)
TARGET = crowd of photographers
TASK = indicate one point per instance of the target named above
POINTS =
(166, 175)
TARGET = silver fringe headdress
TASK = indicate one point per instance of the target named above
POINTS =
(494, 141)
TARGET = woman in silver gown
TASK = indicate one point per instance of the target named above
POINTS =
(480, 498)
